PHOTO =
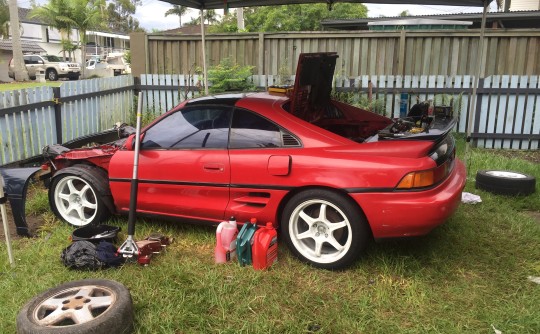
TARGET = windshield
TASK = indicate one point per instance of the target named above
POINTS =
(52, 58)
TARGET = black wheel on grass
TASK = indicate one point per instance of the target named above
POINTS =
(52, 75)
(79, 194)
(324, 228)
(91, 306)
(505, 182)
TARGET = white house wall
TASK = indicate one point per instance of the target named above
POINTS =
(517, 5)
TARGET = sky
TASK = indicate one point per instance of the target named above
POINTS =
(151, 14)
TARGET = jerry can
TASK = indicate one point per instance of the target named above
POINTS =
(244, 242)
(226, 234)
(265, 247)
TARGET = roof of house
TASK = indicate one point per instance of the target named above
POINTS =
(23, 16)
(188, 30)
(27, 46)
(520, 19)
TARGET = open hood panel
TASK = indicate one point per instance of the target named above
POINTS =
(313, 84)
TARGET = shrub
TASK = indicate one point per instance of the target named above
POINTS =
(227, 77)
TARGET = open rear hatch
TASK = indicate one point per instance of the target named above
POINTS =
(311, 101)
(313, 85)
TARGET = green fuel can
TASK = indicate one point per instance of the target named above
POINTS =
(244, 242)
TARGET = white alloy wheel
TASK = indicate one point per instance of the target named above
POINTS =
(90, 306)
(505, 182)
(320, 231)
(506, 174)
(76, 305)
(75, 200)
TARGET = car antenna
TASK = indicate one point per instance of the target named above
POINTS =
(129, 247)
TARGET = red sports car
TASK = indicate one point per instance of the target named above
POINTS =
(329, 175)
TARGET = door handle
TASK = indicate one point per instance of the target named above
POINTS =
(214, 167)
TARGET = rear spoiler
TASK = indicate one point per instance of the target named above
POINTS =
(433, 129)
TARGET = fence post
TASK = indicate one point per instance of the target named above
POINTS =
(57, 114)
(260, 66)
(478, 111)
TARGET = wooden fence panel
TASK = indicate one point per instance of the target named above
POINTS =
(446, 53)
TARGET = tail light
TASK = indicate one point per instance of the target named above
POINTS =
(443, 154)
(426, 178)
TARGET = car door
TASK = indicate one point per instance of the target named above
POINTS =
(31, 64)
(183, 166)
(260, 166)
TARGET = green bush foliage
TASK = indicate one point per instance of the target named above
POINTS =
(227, 77)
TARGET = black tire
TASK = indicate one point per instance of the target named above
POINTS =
(72, 301)
(314, 242)
(51, 74)
(74, 77)
(505, 182)
(68, 187)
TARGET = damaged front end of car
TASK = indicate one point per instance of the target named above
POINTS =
(95, 149)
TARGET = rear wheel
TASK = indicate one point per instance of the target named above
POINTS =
(324, 228)
(77, 195)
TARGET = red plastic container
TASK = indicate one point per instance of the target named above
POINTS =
(265, 247)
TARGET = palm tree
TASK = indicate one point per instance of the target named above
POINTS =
(177, 10)
(4, 20)
(21, 74)
(85, 15)
(56, 13)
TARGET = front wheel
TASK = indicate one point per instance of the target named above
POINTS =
(77, 195)
(88, 306)
(324, 228)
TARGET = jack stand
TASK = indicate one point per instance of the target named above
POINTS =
(129, 248)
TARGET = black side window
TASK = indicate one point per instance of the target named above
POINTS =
(190, 128)
(27, 60)
(250, 130)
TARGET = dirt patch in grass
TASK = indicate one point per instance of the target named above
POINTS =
(33, 222)
(531, 156)
(534, 215)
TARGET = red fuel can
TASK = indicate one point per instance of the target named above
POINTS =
(264, 247)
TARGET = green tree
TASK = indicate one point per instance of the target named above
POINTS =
(55, 13)
(298, 17)
(4, 19)
(120, 15)
(85, 15)
(404, 13)
(177, 10)
(210, 17)
(227, 24)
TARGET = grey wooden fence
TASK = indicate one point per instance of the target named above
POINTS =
(34, 117)
(449, 53)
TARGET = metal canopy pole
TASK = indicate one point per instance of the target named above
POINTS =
(4, 221)
(479, 64)
(204, 54)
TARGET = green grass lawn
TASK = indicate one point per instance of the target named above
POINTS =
(466, 276)
(30, 84)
